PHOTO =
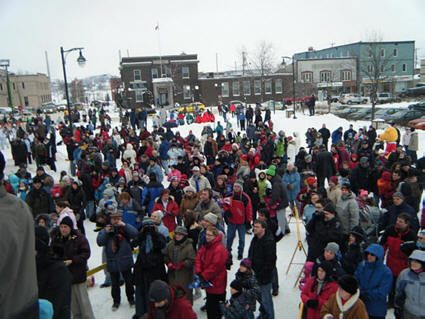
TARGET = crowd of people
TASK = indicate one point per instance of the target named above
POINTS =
(178, 202)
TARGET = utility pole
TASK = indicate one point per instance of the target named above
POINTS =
(47, 64)
(5, 64)
(216, 62)
(243, 62)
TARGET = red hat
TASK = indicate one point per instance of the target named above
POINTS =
(311, 181)
(334, 179)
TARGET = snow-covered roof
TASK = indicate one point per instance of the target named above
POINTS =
(162, 80)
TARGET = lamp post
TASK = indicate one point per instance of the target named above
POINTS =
(293, 79)
(81, 62)
(5, 64)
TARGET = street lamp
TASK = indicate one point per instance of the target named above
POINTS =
(293, 79)
(81, 62)
(5, 64)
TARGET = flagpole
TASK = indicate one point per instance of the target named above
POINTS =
(159, 47)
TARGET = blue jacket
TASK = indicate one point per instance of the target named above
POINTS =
(156, 169)
(149, 194)
(122, 258)
(292, 178)
(163, 149)
(336, 136)
(375, 281)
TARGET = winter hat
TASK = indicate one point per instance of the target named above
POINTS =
(349, 284)
(252, 150)
(237, 285)
(327, 268)
(136, 173)
(195, 168)
(333, 247)
(271, 171)
(308, 158)
(147, 221)
(188, 189)
(334, 179)
(40, 168)
(121, 180)
(418, 255)
(181, 230)
(399, 195)
(311, 181)
(2, 165)
(67, 221)
(330, 208)
(159, 291)
(37, 180)
(238, 184)
(109, 192)
(346, 184)
(159, 214)
(211, 217)
(246, 262)
(357, 232)
(41, 238)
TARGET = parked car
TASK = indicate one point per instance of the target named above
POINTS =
(61, 107)
(269, 105)
(418, 90)
(386, 97)
(352, 99)
(347, 111)
(417, 106)
(402, 117)
(388, 115)
(361, 114)
(48, 109)
(192, 108)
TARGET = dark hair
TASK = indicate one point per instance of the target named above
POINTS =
(262, 223)
(62, 203)
(265, 212)
(405, 217)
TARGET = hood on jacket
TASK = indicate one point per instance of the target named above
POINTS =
(129, 147)
(418, 255)
(376, 250)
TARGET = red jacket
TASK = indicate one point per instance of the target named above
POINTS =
(310, 292)
(240, 208)
(171, 211)
(179, 307)
(210, 264)
(391, 240)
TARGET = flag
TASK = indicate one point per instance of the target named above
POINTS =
(157, 27)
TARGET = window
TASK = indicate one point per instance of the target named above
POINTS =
(236, 88)
(257, 87)
(246, 88)
(346, 75)
(369, 68)
(395, 52)
(186, 92)
(307, 77)
(404, 67)
(225, 89)
(185, 72)
(278, 86)
(382, 52)
(268, 87)
(26, 102)
(14, 86)
(23, 85)
(139, 95)
(154, 72)
(325, 76)
(1, 86)
(392, 68)
(137, 75)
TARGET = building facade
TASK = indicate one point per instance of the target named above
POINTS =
(77, 91)
(170, 79)
(394, 59)
(330, 76)
(28, 90)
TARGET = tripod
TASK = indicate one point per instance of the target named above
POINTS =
(298, 247)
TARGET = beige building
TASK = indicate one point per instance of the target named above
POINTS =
(28, 90)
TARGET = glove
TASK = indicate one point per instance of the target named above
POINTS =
(312, 303)
(171, 266)
(179, 265)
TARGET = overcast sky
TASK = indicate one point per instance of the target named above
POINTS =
(103, 27)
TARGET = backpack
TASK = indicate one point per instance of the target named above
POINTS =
(56, 191)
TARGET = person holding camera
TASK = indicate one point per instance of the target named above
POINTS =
(116, 237)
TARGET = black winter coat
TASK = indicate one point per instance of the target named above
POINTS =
(39, 201)
(262, 253)
(351, 258)
(360, 179)
(19, 152)
(75, 248)
(77, 200)
(324, 164)
(54, 284)
(279, 193)
(321, 233)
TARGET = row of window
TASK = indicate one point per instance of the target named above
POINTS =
(392, 68)
(326, 76)
(382, 52)
(137, 74)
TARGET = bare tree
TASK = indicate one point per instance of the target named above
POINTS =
(375, 66)
(263, 61)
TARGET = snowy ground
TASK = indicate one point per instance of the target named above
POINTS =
(286, 304)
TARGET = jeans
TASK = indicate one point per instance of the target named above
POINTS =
(281, 219)
(90, 209)
(105, 271)
(231, 234)
(116, 290)
(266, 296)
(213, 305)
